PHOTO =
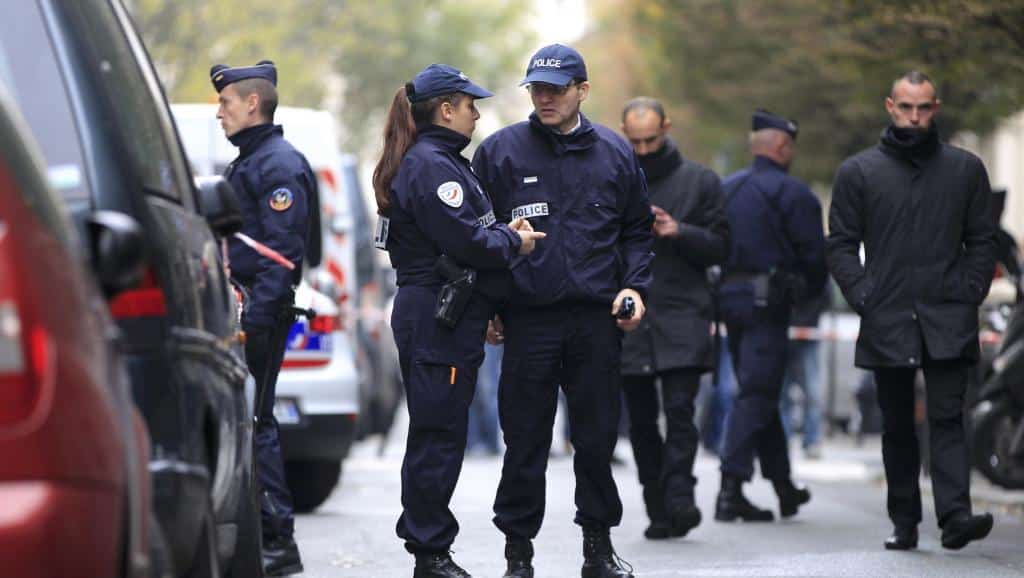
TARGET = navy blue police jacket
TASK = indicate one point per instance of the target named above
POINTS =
(438, 207)
(776, 223)
(276, 190)
(587, 192)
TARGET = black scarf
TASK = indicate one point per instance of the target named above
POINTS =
(912, 144)
(662, 162)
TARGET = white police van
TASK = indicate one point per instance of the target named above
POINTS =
(318, 389)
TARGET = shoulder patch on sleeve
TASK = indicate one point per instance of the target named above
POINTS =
(281, 199)
(450, 194)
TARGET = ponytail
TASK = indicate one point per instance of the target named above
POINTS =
(399, 136)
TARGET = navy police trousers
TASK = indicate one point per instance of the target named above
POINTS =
(264, 352)
(439, 367)
(758, 338)
(575, 346)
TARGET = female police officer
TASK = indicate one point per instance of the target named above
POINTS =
(431, 205)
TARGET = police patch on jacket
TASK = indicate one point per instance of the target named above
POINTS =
(487, 220)
(281, 199)
(531, 210)
(450, 194)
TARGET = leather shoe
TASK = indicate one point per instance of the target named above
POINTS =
(281, 557)
(964, 528)
(684, 519)
(791, 497)
(658, 530)
(902, 539)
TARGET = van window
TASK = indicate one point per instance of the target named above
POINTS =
(30, 74)
(108, 59)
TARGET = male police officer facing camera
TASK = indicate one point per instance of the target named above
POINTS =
(582, 185)
(277, 192)
(777, 255)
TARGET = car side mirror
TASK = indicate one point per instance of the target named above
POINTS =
(117, 252)
(219, 205)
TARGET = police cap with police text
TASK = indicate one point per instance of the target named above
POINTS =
(763, 119)
(222, 75)
(556, 64)
(438, 79)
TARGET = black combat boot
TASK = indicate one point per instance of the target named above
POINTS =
(438, 566)
(281, 557)
(791, 496)
(519, 554)
(599, 558)
(654, 502)
(733, 505)
(683, 519)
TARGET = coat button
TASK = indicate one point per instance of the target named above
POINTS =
(912, 360)
(914, 316)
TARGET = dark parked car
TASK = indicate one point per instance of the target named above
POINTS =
(73, 448)
(86, 87)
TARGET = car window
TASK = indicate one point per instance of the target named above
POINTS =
(107, 57)
(30, 73)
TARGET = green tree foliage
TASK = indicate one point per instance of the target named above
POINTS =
(348, 55)
(829, 65)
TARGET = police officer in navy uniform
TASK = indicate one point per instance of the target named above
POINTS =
(433, 210)
(777, 256)
(277, 193)
(581, 183)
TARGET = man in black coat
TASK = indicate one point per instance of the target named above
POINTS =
(921, 209)
(673, 342)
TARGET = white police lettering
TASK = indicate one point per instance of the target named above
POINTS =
(487, 220)
(531, 210)
(380, 238)
(547, 63)
(450, 194)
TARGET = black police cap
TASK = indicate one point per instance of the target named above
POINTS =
(763, 119)
(222, 75)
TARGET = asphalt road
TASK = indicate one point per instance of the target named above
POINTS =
(839, 533)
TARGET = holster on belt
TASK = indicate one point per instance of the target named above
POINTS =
(456, 293)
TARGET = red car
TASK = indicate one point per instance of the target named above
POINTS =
(74, 483)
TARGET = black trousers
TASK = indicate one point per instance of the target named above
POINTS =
(664, 466)
(945, 386)
(264, 353)
(577, 346)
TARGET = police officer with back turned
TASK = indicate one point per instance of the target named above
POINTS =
(277, 192)
(777, 256)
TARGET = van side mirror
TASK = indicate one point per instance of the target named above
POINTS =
(219, 205)
(118, 253)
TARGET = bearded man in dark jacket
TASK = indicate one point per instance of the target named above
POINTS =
(921, 209)
(673, 342)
